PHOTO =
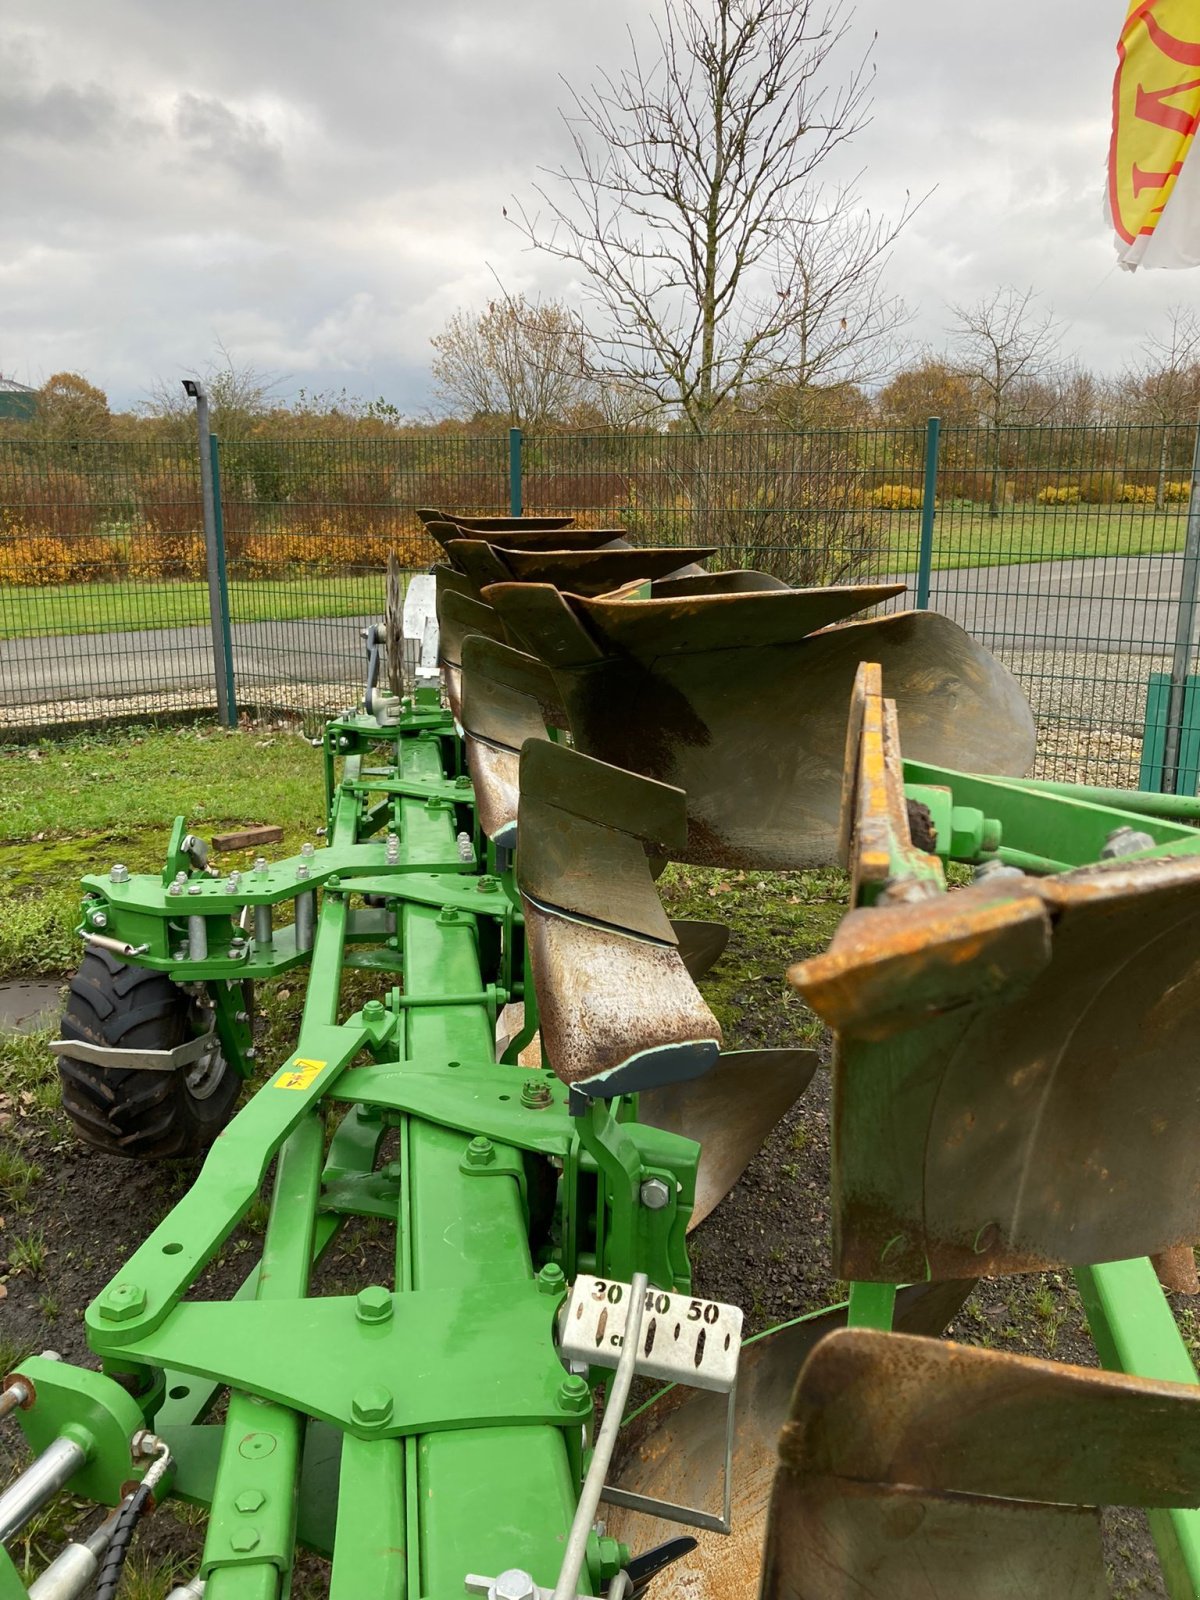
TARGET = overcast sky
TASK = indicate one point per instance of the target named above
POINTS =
(319, 186)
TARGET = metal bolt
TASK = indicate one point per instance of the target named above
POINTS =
(514, 1584)
(99, 920)
(308, 849)
(486, 885)
(333, 883)
(302, 870)
(181, 877)
(243, 1540)
(480, 1152)
(551, 1279)
(260, 866)
(119, 874)
(122, 1302)
(250, 1500)
(175, 888)
(242, 1016)
(343, 743)
(987, 870)
(536, 1095)
(373, 1304)
(447, 914)
(372, 1406)
(194, 888)
(654, 1194)
(235, 878)
(463, 781)
(574, 1394)
(373, 1011)
(466, 851)
(1124, 841)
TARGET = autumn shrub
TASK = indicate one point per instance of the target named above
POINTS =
(57, 503)
(1060, 494)
(166, 555)
(895, 497)
(1176, 492)
(1099, 488)
(1136, 494)
(170, 503)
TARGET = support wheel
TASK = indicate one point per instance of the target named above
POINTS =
(151, 1116)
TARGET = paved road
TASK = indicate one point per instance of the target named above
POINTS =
(1118, 604)
(115, 665)
(1121, 604)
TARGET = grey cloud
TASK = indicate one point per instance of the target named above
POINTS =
(213, 131)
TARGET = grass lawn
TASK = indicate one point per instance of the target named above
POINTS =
(127, 607)
(78, 805)
(966, 536)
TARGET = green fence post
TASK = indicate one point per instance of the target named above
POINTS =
(928, 511)
(214, 551)
(222, 575)
(514, 472)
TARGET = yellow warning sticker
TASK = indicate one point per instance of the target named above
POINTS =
(300, 1074)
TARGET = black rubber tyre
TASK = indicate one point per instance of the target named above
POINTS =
(151, 1116)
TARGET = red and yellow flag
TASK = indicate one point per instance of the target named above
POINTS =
(1153, 189)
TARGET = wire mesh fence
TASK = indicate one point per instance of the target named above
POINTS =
(1059, 548)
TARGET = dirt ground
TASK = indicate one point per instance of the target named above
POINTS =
(766, 1247)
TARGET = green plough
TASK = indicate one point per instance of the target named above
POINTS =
(536, 1100)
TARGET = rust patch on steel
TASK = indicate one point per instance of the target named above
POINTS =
(604, 997)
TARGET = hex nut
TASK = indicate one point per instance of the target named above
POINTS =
(372, 1406)
(654, 1194)
(480, 1152)
(243, 1540)
(551, 1279)
(373, 1304)
(515, 1584)
(250, 1500)
(1125, 841)
(122, 1302)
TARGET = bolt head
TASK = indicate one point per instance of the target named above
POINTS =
(574, 1394)
(260, 866)
(122, 1302)
(243, 1540)
(551, 1279)
(515, 1584)
(174, 888)
(480, 1152)
(654, 1194)
(536, 1094)
(308, 848)
(99, 920)
(250, 1500)
(302, 870)
(372, 1407)
(119, 873)
(373, 1011)
(373, 1304)
(1125, 841)
(334, 883)
(194, 888)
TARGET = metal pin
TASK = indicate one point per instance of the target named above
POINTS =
(262, 925)
(306, 909)
(39, 1483)
(197, 938)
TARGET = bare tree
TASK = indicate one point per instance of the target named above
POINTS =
(712, 253)
(1009, 349)
(521, 363)
(1163, 385)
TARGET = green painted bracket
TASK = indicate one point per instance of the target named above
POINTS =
(11, 1587)
(445, 1359)
(162, 1269)
(1135, 1331)
(1042, 831)
(472, 1099)
(93, 1410)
